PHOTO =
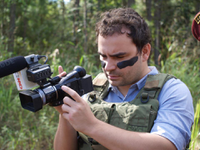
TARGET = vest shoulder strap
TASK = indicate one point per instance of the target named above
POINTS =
(154, 84)
(101, 84)
(156, 81)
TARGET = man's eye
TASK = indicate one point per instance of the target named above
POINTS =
(120, 56)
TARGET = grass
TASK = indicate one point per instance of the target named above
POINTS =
(21, 129)
(195, 137)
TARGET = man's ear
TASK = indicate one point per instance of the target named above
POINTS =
(146, 50)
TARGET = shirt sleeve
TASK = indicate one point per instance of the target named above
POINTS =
(176, 113)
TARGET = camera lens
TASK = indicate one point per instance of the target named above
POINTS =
(34, 100)
(31, 100)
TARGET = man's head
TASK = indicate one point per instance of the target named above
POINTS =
(123, 45)
(124, 21)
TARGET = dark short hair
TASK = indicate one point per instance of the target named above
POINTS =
(112, 22)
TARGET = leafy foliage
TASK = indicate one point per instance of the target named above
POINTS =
(62, 32)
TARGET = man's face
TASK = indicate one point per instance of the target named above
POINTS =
(117, 48)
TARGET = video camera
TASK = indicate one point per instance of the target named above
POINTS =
(32, 74)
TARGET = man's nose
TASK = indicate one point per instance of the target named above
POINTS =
(110, 65)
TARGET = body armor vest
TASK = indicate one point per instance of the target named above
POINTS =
(137, 115)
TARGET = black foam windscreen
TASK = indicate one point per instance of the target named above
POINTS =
(12, 65)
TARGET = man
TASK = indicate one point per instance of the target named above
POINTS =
(124, 47)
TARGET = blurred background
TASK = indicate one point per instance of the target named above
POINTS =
(64, 30)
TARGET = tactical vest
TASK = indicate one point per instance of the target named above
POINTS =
(137, 115)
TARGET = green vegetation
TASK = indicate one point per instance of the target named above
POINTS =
(66, 34)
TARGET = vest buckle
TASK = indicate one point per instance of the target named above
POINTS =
(144, 98)
(92, 98)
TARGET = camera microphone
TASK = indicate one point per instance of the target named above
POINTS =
(12, 65)
(27, 71)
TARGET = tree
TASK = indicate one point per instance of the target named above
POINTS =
(148, 8)
(12, 26)
(85, 26)
(157, 12)
(76, 19)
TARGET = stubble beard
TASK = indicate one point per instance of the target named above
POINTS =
(124, 79)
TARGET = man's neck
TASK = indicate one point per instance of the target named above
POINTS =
(124, 89)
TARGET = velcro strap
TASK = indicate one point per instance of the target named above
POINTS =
(152, 85)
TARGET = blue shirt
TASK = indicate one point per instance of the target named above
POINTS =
(175, 115)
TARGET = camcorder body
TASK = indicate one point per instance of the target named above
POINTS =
(37, 88)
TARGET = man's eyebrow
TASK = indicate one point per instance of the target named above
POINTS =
(100, 53)
(114, 55)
